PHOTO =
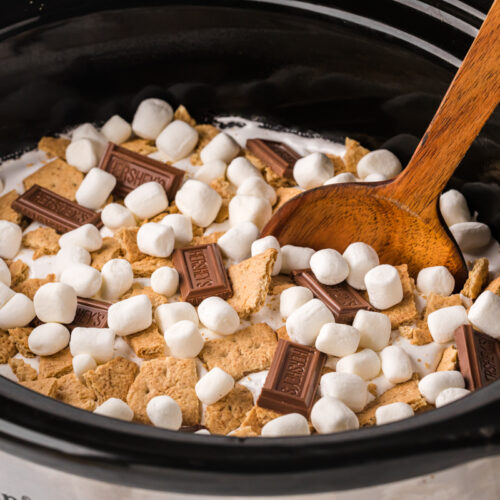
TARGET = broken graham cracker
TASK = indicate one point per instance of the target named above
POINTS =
(285, 194)
(145, 267)
(7, 347)
(6, 210)
(353, 153)
(44, 240)
(227, 192)
(282, 333)
(478, 277)
(257, 417)
(169, 376)
(206, 240)
(147, 344)
(339, 166)
(19, 271)
(156, 298)
(111, 249)
(30, 287)
(276, 181)
(46, 386)
(435, 302)
(20, 338)
(205, 134)
(246, 351)
(494, 286)
(418, 334)
(57, 365)
(71, 391)
(127, 238)
(227, 414)
(141, 146)
(181, 113)
(243, 432)
(449, 360)
(22, 370)
(54, 146)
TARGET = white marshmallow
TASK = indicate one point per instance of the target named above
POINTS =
(396, 364)
(83, 154)
(116, 130)
(435, 279)
(293, 424)
(95, 188)
(151, 117)
(384, 287)
(361, 258)
(261, 245)
(349, 388)
(431, 385)
(393, 412)
(292, 298)
(130, 315)
(211, 171)
(449, 395)
(10, 239)
(237, 242)
(47, 339)
(213, 386)
(184, 339)
(155, 239)
(147, 200)
(249, 209)
(165, 280)
(70, 255)
(375, 177)
(295, 258)
(380, 161)
(114, 216)
(86, 236)
(181, 226)
(453, 207)
(485, 314)
(18, 311)
(240, 170)
(167, 315)
(329, 267)
(331, 415)
(340, 179)
(177, 140)
(6, 294)
(374, 327)
(5, 276)
(95, 342)
(117, 278)
(443, 322)
(85, 280)
(364, 363)
(115, 408)
(258, 187)
(164, 412)
(312, 170)
(471, 236)
(304, 324)
(221, 147)
(337, 339)
(55, 303)
(198, 201)
(215, 313)
(83, 363)
(88, 131)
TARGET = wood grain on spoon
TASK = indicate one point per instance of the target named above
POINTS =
(401, 218)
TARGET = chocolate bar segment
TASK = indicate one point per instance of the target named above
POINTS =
(132, 169)
(279, 157)
(201, 273)
(90, 313)
(293, 379)
(53, 210)
(478, 357)
(342, 299)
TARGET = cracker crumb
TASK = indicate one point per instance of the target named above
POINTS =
(22, 370)
(54, 146)
(494, 286)
(418, 334)
(44, 240)
(478, 276)
(155, 298)
(6, 210)
(246, 431)
(46, 386)
(339, 166)
(20, 338)
(206, 240)
(205, 134)
(71, 391)
(19, 271)
(435, 302)
(147, 344)
(226, 192)
(181, 113)
(127, 238)
(372, 389)
(353, 153)
(257, 417)
(285, 194)
(449, 360)
(57, 365)
(141, 146)
(276, 180)
(254, 160)
(30, 287)
(282, 333)
(145, 267)
(7, 347)
(111, 249)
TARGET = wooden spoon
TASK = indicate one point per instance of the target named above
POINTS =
(400, 218)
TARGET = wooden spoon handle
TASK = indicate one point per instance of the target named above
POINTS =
(471, 98)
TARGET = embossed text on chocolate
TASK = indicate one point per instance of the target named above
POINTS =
(200, 268)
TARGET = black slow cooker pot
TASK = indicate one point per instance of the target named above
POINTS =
(375, 71)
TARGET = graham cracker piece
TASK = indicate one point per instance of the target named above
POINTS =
(71, 391)
(155, 298)
(44, 240)
(169, 376)
(284, 194)
(147, 344)
(494, 286)
(22, 370)
(46, 386)
(6, 210)
(227, 414)
(435, 302)
(145, 267)
(276, 180)
(7, 347)
(19, 271)
(197, 230)
(282, 333)
(246, 431)
(279, 283)
(339, 166)
(372, 389)
(353, 153)
(206, 240)
(478, 277)
(54, 146)
(254, 160)
(20, 338)
(111, 249)
(171, 209)
(30, 287)
(226, 192)
(418, 334)
(246, 351)
(57, 365)
(251, 279)
(57, 176)
(449, 359)
(127, 238)
(257, 417)
(205, 134)
(142, 146)
(181, 113)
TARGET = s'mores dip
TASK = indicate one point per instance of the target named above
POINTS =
(135, 284)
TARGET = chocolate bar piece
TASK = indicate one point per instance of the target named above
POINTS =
(279, 157)
(90, 313)
(478, 357)
(343, 300)
(293, 379)
(132, 169)
(53, 210)
(201, 273)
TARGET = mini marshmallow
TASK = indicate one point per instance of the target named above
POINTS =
(449, 395)
(213, 386)
(374, 328)
(329, 267)
(88, 131)
(393, 412)
(151, 117)
(130, 315)
(95, 342)
(380, 161)
(184, 339)
(237, 242)
(210, 171)
(471, 236)
(221, 147)
(83, 363)
(375, 177)
(217, 315)
(181, 226)
(364, 363)
(55, 303)
(249, 209)
(83, 154)
(115, 408)
(292, 298)
(6, 294)
(10, 239)
(431, 385)
(443, 322)
(165, 281)
(312, 170)
(147, 200)
(295, 258)
(86, 236)
(70, 255)
(117, 278)
(114, 216)
(17, 312)
(256, 186)
(337, 339)
(240, 170)
(361, 258)
(292, 424)
(95, 188)
(331, 415)
(47, 339)
(453, 207)
(116, 130)
(198, 201)
(5, 276)
(384, 287)
(396, 364)
(485, 314)
(155, 239)
(167, 315)
(85, 280)
(164, 412)
(304, 324)
(177, 140)
(349, 388)
(435, 279)
(261, 245)
(341, 179)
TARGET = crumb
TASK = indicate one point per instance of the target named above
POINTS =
(449, 359)
(279, 283)
(7, 347)
(478, 276)
(282, 333)
(206, 240)
(6, 210)
(339, 166)
(226, 191)
(111, 249)
(435, 302)
(46, 386)
(127, 238)
(71, 391)
(254, 160)
(147, 344)
(44, 240)
(353, 153)
(54, 146)
(19, 271)
(494, 286)
(20, 338)
(22, 370)
(181, 113)
(417, 335)
(57, 365)
(155, 298)
(30, 287)
(206, 134)
(276, 180)
(372, 389)
(257, 417)
(285, 194)
(141, 146)
(246, 431)
(145, 267)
